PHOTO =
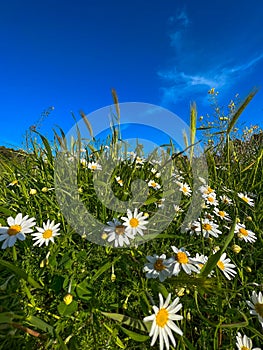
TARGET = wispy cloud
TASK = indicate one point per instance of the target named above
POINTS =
(190, 75)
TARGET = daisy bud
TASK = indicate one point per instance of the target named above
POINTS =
(236, 248)
(249, 218)
(248, 269)
(113, 277)
(188, 316)
(32, 191)
(44, 189)
(68, 299)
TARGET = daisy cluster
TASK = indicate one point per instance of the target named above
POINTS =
(20, 226)
(119, 233)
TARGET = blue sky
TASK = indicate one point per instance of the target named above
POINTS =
(69, 54)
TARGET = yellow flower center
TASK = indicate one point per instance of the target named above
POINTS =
(244, 348)
(221, 265)
(47, 234)
(13, 230)
(184, 189)
(209, 190)
(182, 258)
(162, 317)
(245, 199)
(120, 229)
(243, 231)
(221, 213)
(211, 199)
(207, 227)
(134, 222)
(158, 265)
(259, 309)
(154, 184)
(94, 167)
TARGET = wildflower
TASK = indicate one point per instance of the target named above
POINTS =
(184, 188)
(94, 166)
(183, 261)
(154, 185)
(243, 233)
(256, 305)
(18, 226)
(244, 343)
(222, 214)
(160, 203)
(68, 298)
(139, 160)
(210, 199)
(33, 191)
(206, 189)
(246, 199)
(158, 266)
(177, 209)
(13, 183)
(211, 91)
(200, 260)
(46, 234)
(191, 228)
(207, 227)
(163, 321)
(236, 248)
(224, 265)
(135, 223)
(226, 200)
(117, 234)
(119, 180)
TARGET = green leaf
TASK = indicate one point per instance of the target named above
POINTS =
(114, 333)
(150, 200)
(135, 336)
(66, 310)
(6, 317)
(84, 290)
(104, 268)
(20, 273)
(129, 321)
(40, 324)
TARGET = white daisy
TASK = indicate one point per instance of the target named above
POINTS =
(94, 166)
(206, 189)
(154, 185)
(177, 209)
(46, 234)
(184, 188)
(246, 199)
(135, 223)
(119, 180)
(256, 305)
(160, 203)
(183, 261)
(158, 266)
(226, 200)
(210, 199)
(224, 265)
(18, 226)
(163, 322)
(244, 343)
(207, 227)
(222, 214)
(243, 233)
(117, 234)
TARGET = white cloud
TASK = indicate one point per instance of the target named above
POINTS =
(181, 85)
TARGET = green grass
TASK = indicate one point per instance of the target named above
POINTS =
(111, 294)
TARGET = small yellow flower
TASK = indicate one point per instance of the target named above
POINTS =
(236, 248)
(68, 298)
(33, 191)
(80, 190)
(13, 183)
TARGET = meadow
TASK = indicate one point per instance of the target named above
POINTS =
(193, 287)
